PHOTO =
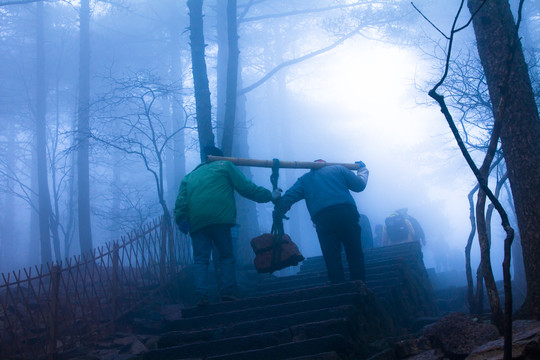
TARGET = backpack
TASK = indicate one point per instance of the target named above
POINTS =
(396, 228)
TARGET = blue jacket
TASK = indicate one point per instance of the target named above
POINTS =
(326, 187)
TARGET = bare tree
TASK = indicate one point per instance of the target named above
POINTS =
(134, 121)
(510, 89)
(503, 323)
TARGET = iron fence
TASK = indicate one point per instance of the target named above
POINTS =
(49, 308)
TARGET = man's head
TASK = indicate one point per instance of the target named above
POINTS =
(212, 150)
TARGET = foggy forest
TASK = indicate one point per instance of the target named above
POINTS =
(106, 104)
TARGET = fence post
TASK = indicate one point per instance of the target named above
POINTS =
(114, 290)
(55, 275)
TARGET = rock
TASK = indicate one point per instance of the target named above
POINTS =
(458, 334)
(433, 354)
(525, 344)
(125, 340)
(131, 345)
(410, 347)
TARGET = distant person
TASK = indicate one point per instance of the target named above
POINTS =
(400, 227)
(377, 239)
(333, 211)
(205, 207)
(367, 234)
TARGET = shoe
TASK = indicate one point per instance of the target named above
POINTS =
(202, 302)
(228, 297)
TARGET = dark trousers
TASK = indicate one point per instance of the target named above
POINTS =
(337, 225)
(203, 240)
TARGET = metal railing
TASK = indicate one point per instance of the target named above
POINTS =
(53, 307)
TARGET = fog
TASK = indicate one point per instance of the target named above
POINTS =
(365, 99)
(371, 114)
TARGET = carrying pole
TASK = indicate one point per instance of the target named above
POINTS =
(282, 164)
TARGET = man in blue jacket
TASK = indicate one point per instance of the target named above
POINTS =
(333, 210)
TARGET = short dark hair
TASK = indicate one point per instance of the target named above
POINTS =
(212, 150)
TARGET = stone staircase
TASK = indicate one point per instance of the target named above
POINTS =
(304, 317)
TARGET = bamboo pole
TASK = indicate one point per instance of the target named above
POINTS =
(282, 164)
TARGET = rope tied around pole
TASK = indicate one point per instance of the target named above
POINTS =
(277, 217)
(275, 174)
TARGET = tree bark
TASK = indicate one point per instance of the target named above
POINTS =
(221, 67)
(176, 159)
(496, 35)
(232, 79)
(41, 141)
(473, 304)
(7, 245)
(203, 104)
(487, 271)
(517, 251)
(83, 132)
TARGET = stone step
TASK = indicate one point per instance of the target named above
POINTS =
(303, 317)
(405, 250)
(273, 299)
(307, 349)
(276, 343)
(271, 288)
(319, 260)
(409, 251)
(322, 356)
(380, 264)
(341, 326)
(372, 272)
(248, 326)
(263, 312)
(212, 347)
(379, 270)
(373, 279)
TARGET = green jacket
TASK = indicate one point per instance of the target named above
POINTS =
(206, 195)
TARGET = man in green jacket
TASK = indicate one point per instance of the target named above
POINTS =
(205, 207)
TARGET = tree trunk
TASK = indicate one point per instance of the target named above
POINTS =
(517, 251)
(83, 133)
(520, 134)
(232, 79)
(41, 141)
(34, 254)
(473, 304)
(485, 254)
(247, 209)
(7, 246)
(176, 159)
(203, 104)
(69, 228)
(221, 67)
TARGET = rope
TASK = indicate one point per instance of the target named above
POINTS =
(275, 174)
(277, 223)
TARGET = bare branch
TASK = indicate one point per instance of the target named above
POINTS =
(307, 11)
(296, 61)
(429, 21)
(472, 17)
(20, 2)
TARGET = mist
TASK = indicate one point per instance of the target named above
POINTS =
(364, 99)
